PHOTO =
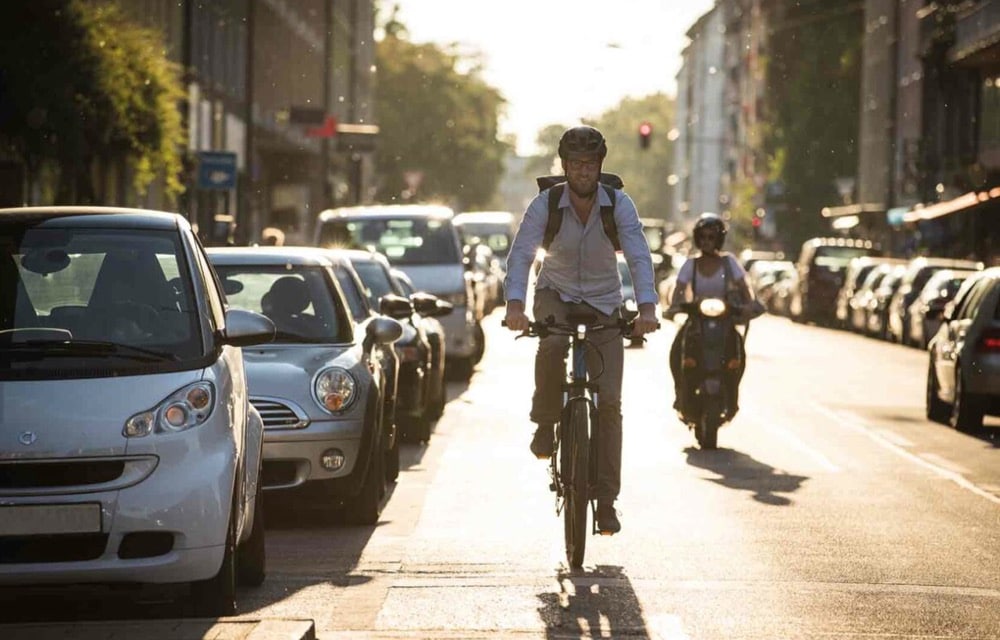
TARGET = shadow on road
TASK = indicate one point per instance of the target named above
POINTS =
(743, 472)
(597, 603)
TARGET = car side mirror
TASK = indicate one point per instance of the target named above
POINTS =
(430, 306)
(382, 331)
(246, 328)
(395, 306)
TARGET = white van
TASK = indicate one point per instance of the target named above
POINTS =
(421, 241)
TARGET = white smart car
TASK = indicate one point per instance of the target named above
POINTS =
(128, 449)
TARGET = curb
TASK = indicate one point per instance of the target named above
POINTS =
(182, 629)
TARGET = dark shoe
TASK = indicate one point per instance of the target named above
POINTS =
(607, 518)
(544, 441)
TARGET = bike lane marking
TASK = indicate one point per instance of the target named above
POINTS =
(853, 422)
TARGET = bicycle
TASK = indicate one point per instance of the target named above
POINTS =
(573, 467)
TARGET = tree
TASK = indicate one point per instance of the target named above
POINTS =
(435, 120)
(80, 84)
(813, 95)
(644, 171)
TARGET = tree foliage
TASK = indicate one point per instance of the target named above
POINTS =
(436, 118)
(644, 171)
(813, 94)
(79, 83)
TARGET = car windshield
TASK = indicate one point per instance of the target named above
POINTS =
(299, 300)
(80, 296)
(496, 236)
(404, 241)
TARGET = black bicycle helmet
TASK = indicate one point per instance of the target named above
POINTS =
(711, 221)
(582, 141)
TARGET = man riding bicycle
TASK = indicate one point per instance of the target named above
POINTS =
(580, 273)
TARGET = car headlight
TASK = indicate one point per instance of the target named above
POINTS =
(334, 389)
(185, 409)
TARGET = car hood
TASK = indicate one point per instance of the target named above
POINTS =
(436, 278)
(287, 371)
(78, 417)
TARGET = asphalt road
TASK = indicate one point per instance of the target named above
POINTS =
(832, 509)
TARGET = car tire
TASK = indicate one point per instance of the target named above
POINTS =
(217, 596)
(366, 507)
(460, 369)
(251, 556)
(966, 412)
(480, 338)
(936, 409)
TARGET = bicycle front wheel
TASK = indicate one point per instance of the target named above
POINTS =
(575, 475)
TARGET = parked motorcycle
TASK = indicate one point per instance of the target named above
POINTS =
(712, 359)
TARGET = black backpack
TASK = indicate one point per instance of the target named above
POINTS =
(556, 185)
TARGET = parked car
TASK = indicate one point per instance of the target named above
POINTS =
(421, 392)
(963, 376)
(130, 452)
(765, 278)
(918, 272)
(319, 386)
(857, 270)
(495, 229)
(356, 296)
(422, 241)
(864, 298)
(878, 304)
(429, 307)
(927, 310)
(822, 268)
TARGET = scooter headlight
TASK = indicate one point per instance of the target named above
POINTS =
(712, 307)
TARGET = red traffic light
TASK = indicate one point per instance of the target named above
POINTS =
(645, 129)
(755, 221)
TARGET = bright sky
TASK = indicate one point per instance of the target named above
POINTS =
(557, 61)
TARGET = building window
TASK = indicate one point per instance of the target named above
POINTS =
(989, 118)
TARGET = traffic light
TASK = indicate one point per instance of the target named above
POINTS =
(645, 133)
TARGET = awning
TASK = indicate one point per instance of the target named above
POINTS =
(938, 209)
(852, 210)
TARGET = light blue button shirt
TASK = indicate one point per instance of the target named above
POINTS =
(581, 264)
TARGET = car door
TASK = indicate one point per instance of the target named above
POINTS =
(952, 339)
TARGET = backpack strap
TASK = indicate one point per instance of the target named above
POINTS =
(555, 215)
(608, 219)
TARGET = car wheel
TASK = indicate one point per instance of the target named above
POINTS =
(460, 369)
(480, 338)
(966, 413)
(251, 556)
(936, 409)
(366, 507)
(217, 595)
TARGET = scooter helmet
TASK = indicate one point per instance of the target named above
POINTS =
(582, 141)
(710, 221)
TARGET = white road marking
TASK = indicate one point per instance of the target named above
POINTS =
(852, 421)
(797, 443)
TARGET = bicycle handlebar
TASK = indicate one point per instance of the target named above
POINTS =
(550, 327)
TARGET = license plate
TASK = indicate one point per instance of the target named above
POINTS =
(48, 519)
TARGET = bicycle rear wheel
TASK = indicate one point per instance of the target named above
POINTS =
(575, 476)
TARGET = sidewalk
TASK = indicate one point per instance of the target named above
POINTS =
(234, 629)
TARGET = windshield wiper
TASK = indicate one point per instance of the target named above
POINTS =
(86, 348)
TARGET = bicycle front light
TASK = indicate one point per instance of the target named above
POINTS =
(581, 332)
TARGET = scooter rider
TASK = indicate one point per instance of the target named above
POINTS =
(580, 273)
(711, 274)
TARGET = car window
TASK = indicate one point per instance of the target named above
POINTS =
(496, 236)
(974, 299)
(375, 278)
(302, 303)
(216, 298)
(120, 287)
(355, 296)
(404, 241)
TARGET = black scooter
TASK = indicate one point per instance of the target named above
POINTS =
(711, 360)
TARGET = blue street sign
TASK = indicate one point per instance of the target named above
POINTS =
(216, 170)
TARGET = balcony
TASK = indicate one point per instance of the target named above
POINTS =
(977, 33)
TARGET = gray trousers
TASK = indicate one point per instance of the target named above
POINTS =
(604, 363)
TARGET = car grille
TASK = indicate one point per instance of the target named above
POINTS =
(63, 548)
(277, 415)
(35, 475)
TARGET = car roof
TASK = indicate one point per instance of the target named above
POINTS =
(499, 217)
(388, 211)
(90, 217)
(360, 254)
(269, 256)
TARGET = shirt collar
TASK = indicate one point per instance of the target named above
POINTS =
(602, 197)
